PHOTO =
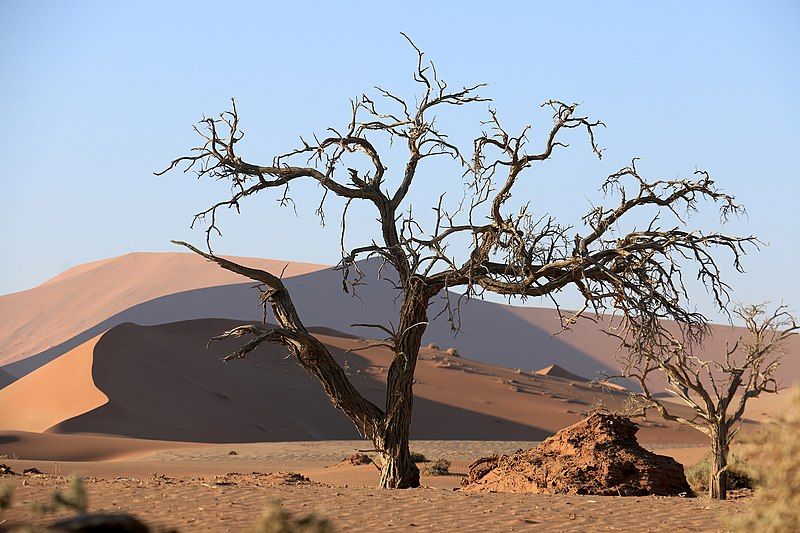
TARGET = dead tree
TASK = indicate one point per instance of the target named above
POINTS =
(717, 390)
(480, 243)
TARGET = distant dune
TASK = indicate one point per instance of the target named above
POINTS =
(55, 447)
(162, 384)
(37, 319)
(41, 324)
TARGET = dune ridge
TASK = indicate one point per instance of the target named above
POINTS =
(86, 295)
(61, 389)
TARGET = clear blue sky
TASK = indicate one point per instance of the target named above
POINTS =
(97, 95)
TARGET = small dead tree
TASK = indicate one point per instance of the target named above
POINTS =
(717, 390)
(480, 243)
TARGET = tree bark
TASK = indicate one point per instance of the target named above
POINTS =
(718, 484)
(399, 471)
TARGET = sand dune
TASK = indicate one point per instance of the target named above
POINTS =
(555, 371)
(161, 383)
(57, 391)
(84, 296)
(88, 300)
(54, 447)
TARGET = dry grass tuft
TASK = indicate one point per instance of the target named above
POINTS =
(739, 474)
(277, 520)
(5, 497)
(777, 502)
(73, 497)
(439, 467)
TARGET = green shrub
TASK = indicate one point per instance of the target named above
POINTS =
(739, 474)
(439, 467)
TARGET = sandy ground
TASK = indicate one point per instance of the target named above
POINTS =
(203, 488)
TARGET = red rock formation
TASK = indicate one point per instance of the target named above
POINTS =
(598, 455)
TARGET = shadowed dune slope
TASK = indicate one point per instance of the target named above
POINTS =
(34, 320)
(163, 384)
(5, 378)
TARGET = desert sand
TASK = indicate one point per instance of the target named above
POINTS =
(206, 489)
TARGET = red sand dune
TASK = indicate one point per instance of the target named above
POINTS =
(161, 383)
(555, 371)
(84, 296)
(65, 389)
(39, 325)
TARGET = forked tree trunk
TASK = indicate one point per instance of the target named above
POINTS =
(718, 484)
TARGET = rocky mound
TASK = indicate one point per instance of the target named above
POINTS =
(598, 455)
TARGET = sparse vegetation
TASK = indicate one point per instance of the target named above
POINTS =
(433, 346)
(5, 497)
(452, 352)
(439, 467)
(277, 520)
(717, 390)
(739, 474)
(357, 459)
(73, 497)
(777, 452)
(418, 457)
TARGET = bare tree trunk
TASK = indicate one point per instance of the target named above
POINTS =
(399, 471)
(718, 484)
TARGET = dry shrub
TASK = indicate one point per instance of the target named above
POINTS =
(73, 497)
(5, 497)
(452, 352)
(739, 474)
(777, 502)
(418, 457)
(277, 520)
(357, 459)
(433, 346)
(439, 467)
